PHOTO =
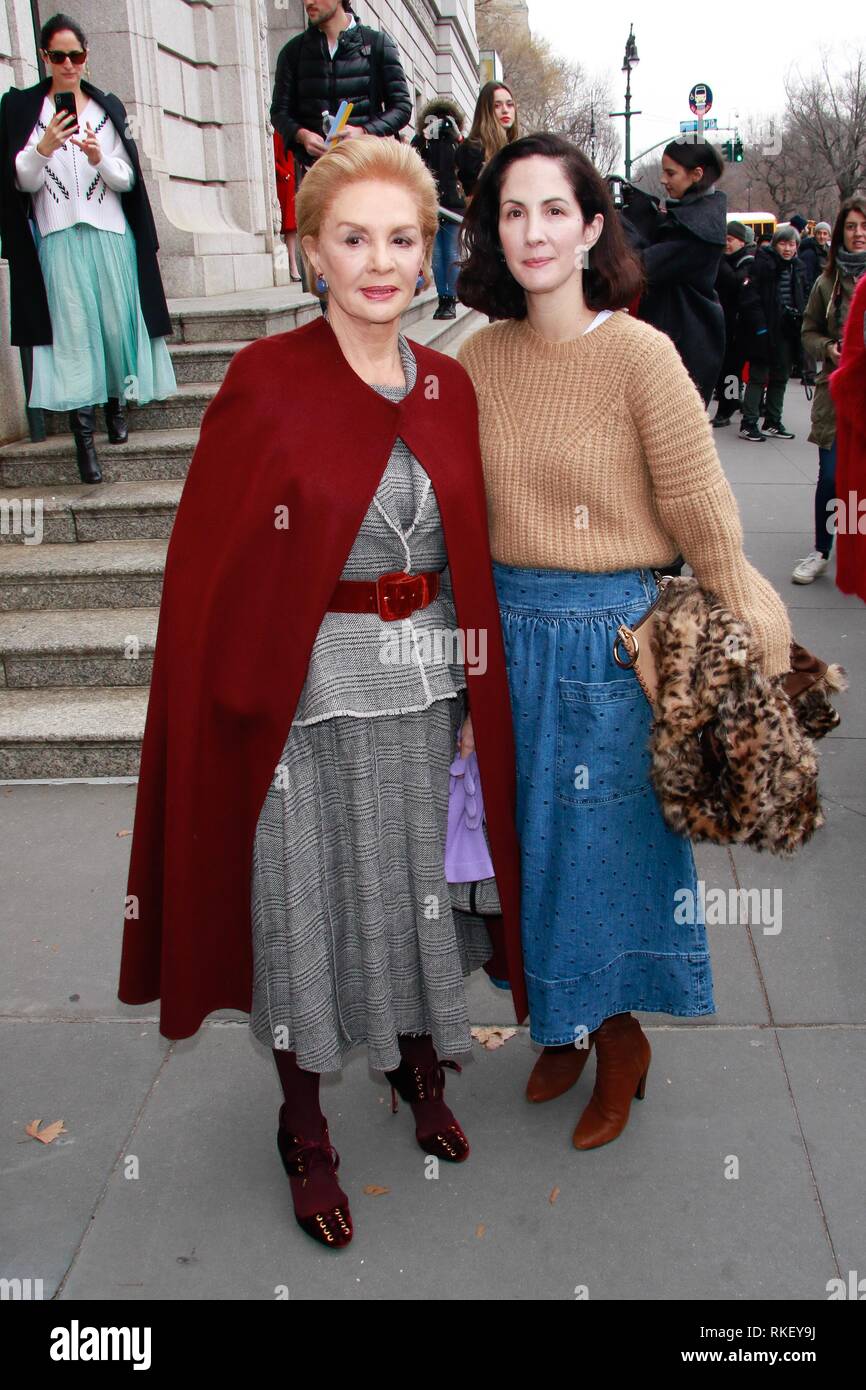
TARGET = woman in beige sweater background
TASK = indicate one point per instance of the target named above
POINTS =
(600, 466)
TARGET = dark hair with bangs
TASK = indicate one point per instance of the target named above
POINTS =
(614, 275)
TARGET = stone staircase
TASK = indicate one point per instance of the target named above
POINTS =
(78, 612)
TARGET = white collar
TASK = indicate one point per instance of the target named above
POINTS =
(342, 31)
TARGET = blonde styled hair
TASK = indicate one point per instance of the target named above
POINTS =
(356, 161)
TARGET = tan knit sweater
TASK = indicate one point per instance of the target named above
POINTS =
(598, 455)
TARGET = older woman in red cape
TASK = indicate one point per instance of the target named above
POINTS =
(848, 388)
(288, 845)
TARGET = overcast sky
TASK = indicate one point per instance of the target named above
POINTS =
(741, 51)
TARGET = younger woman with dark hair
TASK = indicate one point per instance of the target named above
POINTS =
(681, 249)
(599, 465)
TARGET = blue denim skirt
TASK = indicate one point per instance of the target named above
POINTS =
(603, 877)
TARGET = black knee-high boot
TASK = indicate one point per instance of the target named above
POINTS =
(82, 422)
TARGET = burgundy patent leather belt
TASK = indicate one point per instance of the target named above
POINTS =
(394, 594)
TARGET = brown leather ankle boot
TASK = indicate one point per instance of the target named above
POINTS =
(556, 1071)
(622, 1058)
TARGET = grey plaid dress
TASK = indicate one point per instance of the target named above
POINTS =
(354, 936)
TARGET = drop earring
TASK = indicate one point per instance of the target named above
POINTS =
(321, 282)
(419, 283)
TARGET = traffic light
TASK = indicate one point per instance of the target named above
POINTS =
(728, 151)
(738, 151)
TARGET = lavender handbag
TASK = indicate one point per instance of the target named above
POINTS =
(468, 866)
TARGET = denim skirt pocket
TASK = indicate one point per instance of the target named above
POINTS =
(602, 732)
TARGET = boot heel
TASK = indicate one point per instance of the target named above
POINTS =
(641, 1087)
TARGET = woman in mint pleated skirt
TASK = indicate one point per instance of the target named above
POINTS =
(101, 349)
(89, 304)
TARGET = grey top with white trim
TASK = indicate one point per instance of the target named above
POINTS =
(361, 664)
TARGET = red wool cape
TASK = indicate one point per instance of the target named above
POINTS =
(848, 389)
(292, 428)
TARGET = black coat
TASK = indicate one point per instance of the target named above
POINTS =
(763, 325)
(470, 162)
(440, 155)
(813, 259)
(681, 250)
(733, 274)
(31, 319)
(365, 70)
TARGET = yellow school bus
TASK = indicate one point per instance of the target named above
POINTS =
(762, 223)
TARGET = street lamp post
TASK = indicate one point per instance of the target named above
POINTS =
(630, 61)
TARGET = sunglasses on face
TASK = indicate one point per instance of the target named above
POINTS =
(59, 55)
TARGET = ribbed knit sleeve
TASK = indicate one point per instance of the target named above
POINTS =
(694, 498)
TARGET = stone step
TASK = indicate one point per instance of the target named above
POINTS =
(83, 512)
(148, 456)
(77, 647)
(199, 362)
(71, 733)
(183, 409)
(100, 574)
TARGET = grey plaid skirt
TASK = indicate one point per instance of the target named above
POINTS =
(354, 937)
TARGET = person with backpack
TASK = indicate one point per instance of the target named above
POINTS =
(337, 59)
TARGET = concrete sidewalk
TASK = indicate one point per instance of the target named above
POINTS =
(774, 1079)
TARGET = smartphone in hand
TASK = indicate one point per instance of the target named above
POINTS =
(65, 101)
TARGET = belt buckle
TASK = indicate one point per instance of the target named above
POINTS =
(399, 605)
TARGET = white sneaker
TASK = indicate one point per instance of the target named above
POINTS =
(809, 568)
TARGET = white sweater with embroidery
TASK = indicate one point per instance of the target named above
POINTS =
(66, 188)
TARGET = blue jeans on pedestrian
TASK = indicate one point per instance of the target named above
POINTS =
(445, 258)
(824, 493)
